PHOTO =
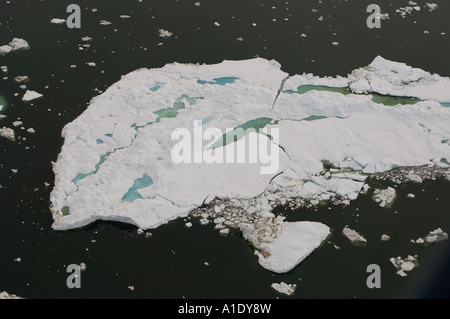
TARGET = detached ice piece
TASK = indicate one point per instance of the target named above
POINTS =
(31, 95)
(434, 236)
(57, 21)
(164, 33)
(284, 288)
(385, 197)
(404, 265)
(281, 245)
(354, 237)
(5, 49)
(7, 133)
(5, 295)
(19, 44)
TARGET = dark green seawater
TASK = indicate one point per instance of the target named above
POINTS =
(170, 264)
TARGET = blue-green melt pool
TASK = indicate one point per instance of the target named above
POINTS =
(133, 193)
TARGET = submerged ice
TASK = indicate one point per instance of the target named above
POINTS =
(116, 162)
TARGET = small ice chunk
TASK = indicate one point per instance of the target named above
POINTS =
(57, 21)
(17, 123)
(165, 33)
(7, 133)
(18, 260)
(131, 288)
(19, 44)
(31, 95)
(140, 231)
(284, 288)
(4, 295)
(354, 236)
(411, 196)
(91, 63)
(5, 49)
(385, 197)
(31, 130)
(82, 266)
(188, 225)
(280, 246)
(404, 265)
(414, 178)
(219, 220)
(432, 6)
(434, 236)
(385, 237)
(224, 231)
(104, 22)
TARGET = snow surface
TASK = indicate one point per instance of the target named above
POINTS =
(121, 141)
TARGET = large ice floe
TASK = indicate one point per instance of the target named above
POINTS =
(116, 162)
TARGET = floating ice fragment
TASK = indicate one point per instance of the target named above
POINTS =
(354, 236)
(164, 33)
(31, 95)
(284, 288)
(57, 21)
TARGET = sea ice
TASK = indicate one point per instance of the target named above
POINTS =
(165, 33)
(7, 133)
(280, 245)
(434, 236)
(5, 295)
(385, 197)
(404, 265)
(354, 236)
(14, 45)
(18, 44)
(57, 21)
(122, 145)
(31, 95)
(284, 288)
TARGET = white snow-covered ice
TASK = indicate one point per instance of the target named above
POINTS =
(5, 295)
(116, 162)
(355, 237)
(280, 246)
(7, 133)
(31, 95)
(284, 288)
(15, 45)
(57, 21)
